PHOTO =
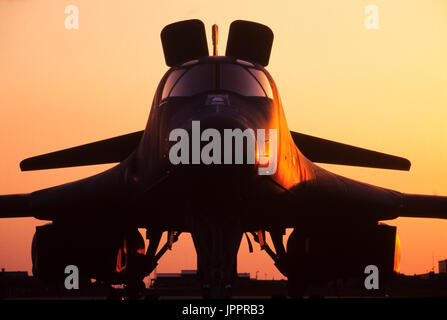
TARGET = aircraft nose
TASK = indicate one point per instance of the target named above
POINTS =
(222, 123)
(213, 140)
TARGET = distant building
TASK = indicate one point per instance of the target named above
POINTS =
(19, 284)
(427, 276)
(442, 266)
(186, 283)
(186, 278)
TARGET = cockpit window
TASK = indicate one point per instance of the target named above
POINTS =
(242, 79)
(197, 79)
(170, 82)
(237, 79)
(262, 78)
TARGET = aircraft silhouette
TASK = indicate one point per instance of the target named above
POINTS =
(335, 219)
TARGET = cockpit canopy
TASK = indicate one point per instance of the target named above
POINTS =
(240, 77)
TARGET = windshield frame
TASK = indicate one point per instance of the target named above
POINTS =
(189, 65)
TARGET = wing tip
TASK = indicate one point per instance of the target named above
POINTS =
(23, 165)
(407, 164)
(29, 165)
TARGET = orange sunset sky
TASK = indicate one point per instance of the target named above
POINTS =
(383, 89)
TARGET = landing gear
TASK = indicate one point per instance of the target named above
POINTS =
(297, 274)
(134, 289)
(134, 286)
(217, 243)
(297, 285)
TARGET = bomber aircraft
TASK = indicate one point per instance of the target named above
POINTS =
(217, 160)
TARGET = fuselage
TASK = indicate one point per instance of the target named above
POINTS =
(219, 93)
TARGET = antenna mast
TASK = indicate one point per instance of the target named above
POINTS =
(215, 31)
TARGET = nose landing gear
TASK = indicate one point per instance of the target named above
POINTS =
(217, 243)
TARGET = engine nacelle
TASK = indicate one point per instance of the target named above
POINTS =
(99, 252)
(340, 252)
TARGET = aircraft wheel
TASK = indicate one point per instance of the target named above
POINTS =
(134, 289)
